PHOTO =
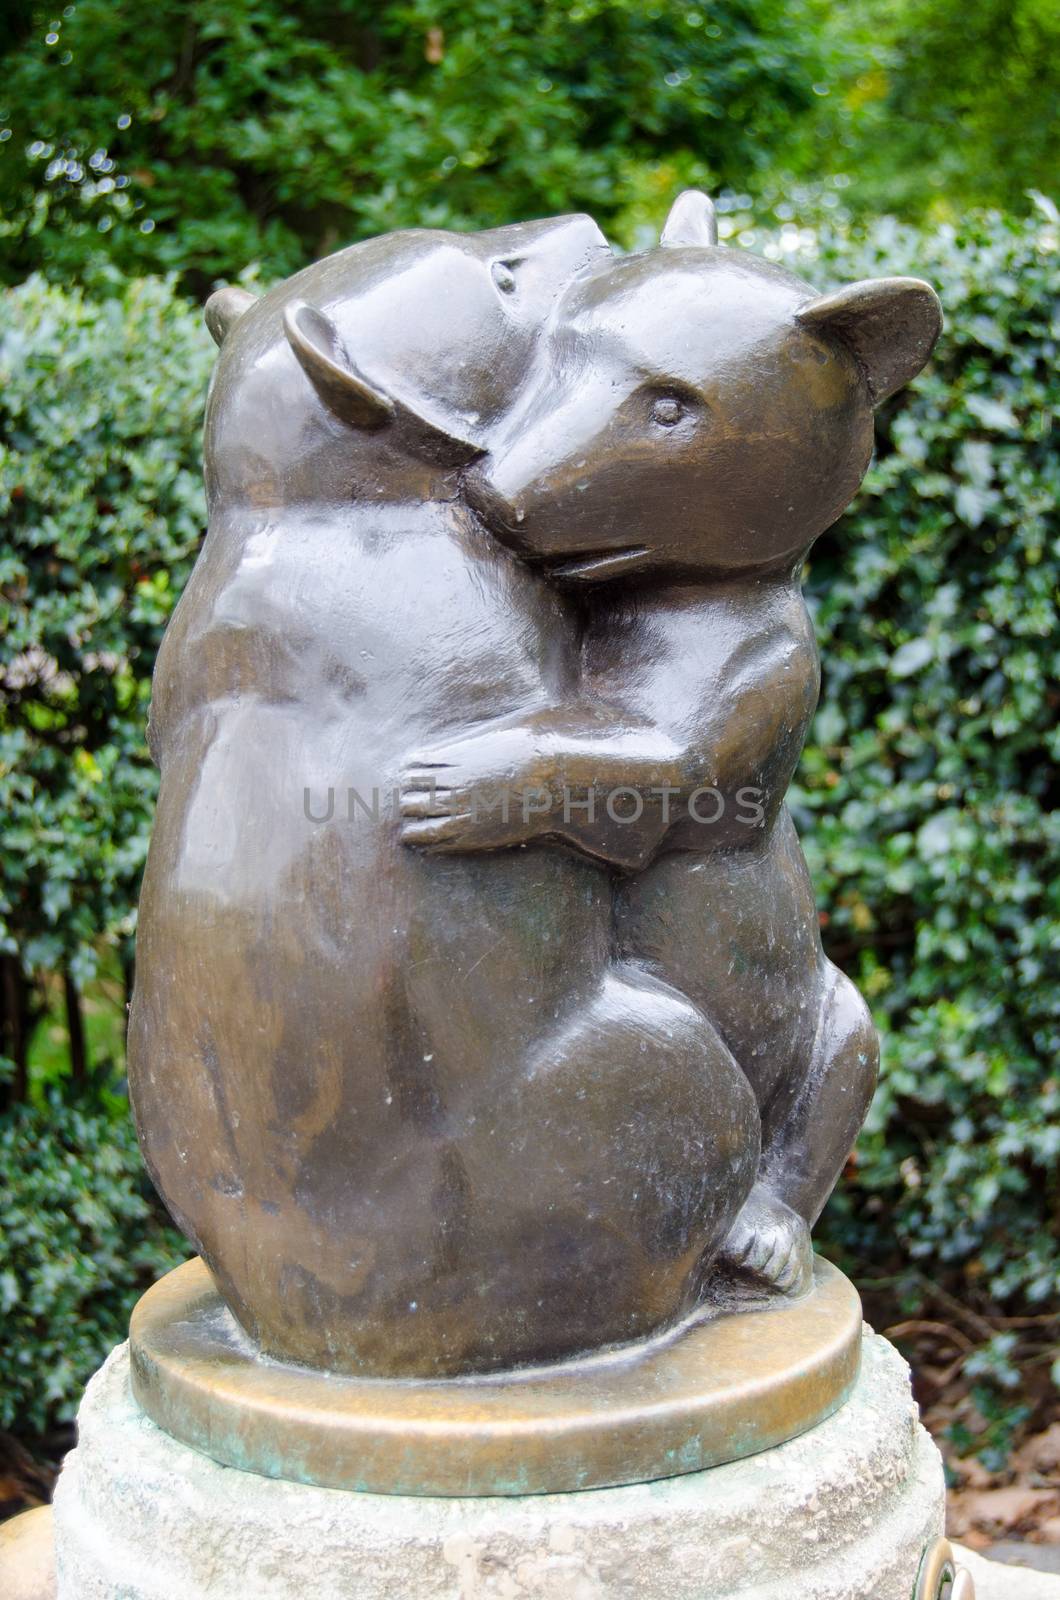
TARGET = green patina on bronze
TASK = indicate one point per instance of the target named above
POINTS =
(713, 1391)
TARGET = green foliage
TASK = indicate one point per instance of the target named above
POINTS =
(101, 501)
(928, 798)
(999, 1397)
(201, 138)
(82, 1238)
(940, 105)
(103, 1003)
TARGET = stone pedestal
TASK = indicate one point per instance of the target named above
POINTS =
(842, 1513)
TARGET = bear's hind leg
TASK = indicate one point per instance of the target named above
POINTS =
(808, 1131)
(631, 1140)
(810, 1128)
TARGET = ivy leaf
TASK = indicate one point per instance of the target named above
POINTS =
(974, 503)
(911, 657)
(992, 413)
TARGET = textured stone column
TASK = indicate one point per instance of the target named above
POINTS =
(842, 1513)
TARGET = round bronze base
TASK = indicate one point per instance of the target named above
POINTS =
(711, 1391)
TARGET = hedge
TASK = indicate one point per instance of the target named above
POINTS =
(83, 1236)
(927, 800)
(101, 507)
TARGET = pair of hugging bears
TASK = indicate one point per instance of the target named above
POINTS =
(437, 1088)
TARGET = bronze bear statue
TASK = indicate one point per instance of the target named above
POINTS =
(432, 1094)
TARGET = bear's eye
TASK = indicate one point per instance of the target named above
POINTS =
(503, 277)
(667, 410)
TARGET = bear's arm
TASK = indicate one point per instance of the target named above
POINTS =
(715, 694)
(708, 696)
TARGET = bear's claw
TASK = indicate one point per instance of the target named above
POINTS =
(771, 1242)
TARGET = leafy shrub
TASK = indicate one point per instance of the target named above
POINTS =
(102, 509)
(82, 1238)
(939, 106)
(164, 136)
(927, 801)
(200, 138)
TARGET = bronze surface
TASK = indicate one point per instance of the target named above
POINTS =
(711, 1392)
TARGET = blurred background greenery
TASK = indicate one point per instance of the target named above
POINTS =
(151, 150)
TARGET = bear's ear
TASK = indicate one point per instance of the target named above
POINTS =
(350, 396)
(691, 220)
(224, 307)
(315, 340)
(890, 325)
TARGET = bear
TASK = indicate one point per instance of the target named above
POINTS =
(398, 1102)
(698, 416)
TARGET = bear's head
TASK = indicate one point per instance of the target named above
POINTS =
(411, 345)
(696, 411)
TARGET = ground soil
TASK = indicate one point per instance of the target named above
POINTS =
(1005, 1488)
